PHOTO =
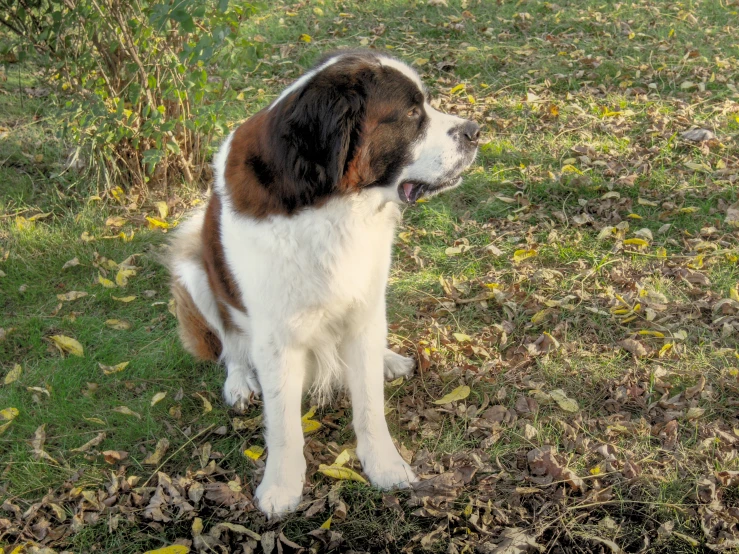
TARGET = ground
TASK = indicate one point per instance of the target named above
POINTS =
(577, 296)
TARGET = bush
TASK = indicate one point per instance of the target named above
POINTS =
(139, 104)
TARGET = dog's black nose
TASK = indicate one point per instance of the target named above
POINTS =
(471, 131)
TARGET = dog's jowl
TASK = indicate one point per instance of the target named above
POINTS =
(282, 277)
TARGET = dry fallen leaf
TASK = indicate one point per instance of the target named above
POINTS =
(107, 283)
(310, 425)
(340, 473)
(158, 397)
(114, 456)
(125, 410)
(207, 406)
(37, 445)
(173, 549)
(254, 452)
(566, 403)
(68, 344)
(732, 215)
(121, 278)
(71, 263)
(92, 442)
(13, 375)
(521, 255)
(155, 457)
(7, 415)
(118, 324)
(108, 369)
(71, 295)
(124, 299)
(460, 393)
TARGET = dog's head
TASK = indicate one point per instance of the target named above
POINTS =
(358, 120)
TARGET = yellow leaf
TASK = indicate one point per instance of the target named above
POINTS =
(163, 209)
(107, 283)
(8, 415)
(22, 223)
(86, 237)
(540, 316)
(125, 410)
(118, 324)
(306, 38)
(115, 221)
(471, 99)
(341, 473)
(126, 237)
(125, 299)
(734, 293)
(344, 457)
(460, 393)
(109, 369)
(665, 349)
(71, 295)
(634, 216)
(420, 61)
(207, 406)
(461, 337)
(13, 375)
(595, 471)
(174, 549)
(458, 88)
(118, 194)
(158, 397)
(121, 278)
(310, 425)
(172, 307)
(254, 452)
(155, 457)
(566, 403)
(521, 255)
(68, 344)
(327, 524)
(154, 223)
(688, 210)
(318, 12)
(652, 333)
(396, 383)
(641, 243)
(96, 420)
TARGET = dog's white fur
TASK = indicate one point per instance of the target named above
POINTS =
(314, 287)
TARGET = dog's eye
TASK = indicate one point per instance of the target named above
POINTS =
(414, 112)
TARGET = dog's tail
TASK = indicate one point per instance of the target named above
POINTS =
(194, 302)
(198, 338)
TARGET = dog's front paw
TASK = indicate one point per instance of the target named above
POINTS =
(276, 499)
(386, 469)
(397, 365)
(239, 390)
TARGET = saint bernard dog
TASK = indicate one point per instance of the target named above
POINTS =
(282, 277)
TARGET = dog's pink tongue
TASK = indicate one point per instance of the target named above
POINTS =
(408, 189)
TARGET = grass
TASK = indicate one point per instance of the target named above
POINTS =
(582, 105)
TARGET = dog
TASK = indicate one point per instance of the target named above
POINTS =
(282, 276)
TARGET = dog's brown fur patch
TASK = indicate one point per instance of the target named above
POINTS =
(196, 335)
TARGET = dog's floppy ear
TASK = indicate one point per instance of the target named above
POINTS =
(321, 128)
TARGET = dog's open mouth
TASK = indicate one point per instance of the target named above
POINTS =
(411, 191)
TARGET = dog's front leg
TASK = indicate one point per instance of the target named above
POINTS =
(363, 352)
(281, 371)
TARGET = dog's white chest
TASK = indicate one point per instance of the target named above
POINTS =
(316, 266)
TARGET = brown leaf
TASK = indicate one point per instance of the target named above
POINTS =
(114, 456)
(634, 346)
(89, 444)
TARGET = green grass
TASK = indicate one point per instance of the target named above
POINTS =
(545, 87)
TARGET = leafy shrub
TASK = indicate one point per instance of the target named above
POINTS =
(139, 104)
